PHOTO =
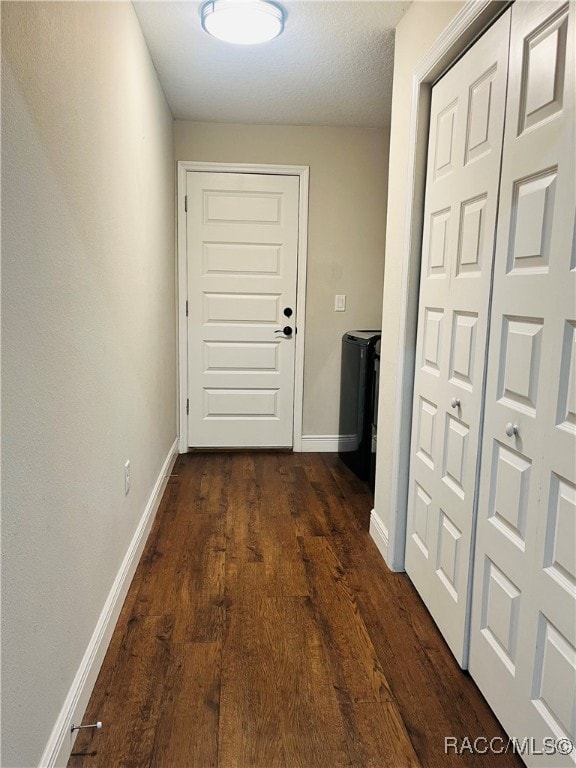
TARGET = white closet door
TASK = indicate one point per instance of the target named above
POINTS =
(464, 152)
(524, 612)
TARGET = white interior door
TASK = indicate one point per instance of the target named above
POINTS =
(464, 153)
(524, 610)
(242, 250)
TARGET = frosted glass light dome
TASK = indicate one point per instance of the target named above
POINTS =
(244, 22)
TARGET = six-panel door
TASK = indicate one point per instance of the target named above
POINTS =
(523, 632)
(466, 126)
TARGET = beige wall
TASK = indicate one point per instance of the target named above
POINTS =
(88, 334)
(348, 173)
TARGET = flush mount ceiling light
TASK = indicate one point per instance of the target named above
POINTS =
(243, 21)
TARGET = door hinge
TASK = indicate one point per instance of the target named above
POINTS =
(187, 406)
(186, 307)
(186, 203)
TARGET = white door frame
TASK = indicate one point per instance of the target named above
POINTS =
(466, 27)
(303, 172)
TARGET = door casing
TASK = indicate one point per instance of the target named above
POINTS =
(301, 171)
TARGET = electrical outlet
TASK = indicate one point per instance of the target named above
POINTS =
(127, 477)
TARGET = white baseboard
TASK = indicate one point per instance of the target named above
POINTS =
(379, 534)
(328, 443)
(61, 740)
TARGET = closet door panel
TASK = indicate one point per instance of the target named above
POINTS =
(523, 631)
(466, 127)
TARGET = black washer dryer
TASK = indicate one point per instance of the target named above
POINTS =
(357, 388)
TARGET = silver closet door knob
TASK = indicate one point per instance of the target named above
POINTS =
(455, 403)
(512, 429)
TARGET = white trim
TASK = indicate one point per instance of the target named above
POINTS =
(59, 746)
(303, 172)
(182, 277)
(465, 26)
(379, 533)
(328, 443)
(428, 67)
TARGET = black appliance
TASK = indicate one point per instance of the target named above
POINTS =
(375, 387)
(357, 391)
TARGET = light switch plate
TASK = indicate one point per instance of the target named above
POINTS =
(340, 303)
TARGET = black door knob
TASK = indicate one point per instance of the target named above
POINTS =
(287, 330)
(287, 311)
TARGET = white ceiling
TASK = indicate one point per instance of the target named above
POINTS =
(331, 66)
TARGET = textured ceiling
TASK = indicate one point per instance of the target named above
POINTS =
(332, 65)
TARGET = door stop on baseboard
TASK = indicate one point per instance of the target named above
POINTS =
(92, 725)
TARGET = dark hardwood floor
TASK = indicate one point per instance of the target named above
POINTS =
(263, 629)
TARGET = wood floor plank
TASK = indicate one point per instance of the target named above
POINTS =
(354, 660)
(262, 551)
(284, 572)
(162, 560)
(357, 496)
(376, 736)
(128, 697)
(187, 728)
(339, 512)
(301, 498)
(198, 580)
(278, 707)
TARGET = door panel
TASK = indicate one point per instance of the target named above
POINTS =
(466, 126)
(244, 308)
(241, 259)
(523, 632)
(242, 234)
